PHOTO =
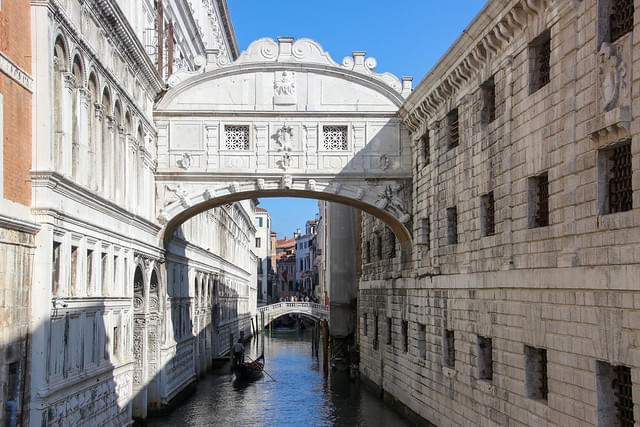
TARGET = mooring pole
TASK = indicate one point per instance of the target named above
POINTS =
(325, 347)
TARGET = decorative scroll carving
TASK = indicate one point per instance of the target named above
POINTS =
(312, 184)
(209, 194)
(177, 77)
(181, 194)
(283, 137)
(234, 187)
(185, 161)
(391, 199)
(383, 161)
(286, 182)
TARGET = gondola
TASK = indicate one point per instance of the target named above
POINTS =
(250, 371)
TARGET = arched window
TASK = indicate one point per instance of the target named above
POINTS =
(78, 74)
(92, 87)
(139, 174)
(105, 146)
(59, 68)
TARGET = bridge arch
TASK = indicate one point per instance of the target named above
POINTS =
(284, 119)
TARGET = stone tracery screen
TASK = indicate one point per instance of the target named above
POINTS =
(236, 137)
(334, 138)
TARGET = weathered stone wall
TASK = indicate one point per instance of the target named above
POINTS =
(567, 289)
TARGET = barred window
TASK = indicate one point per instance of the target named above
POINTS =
(334, 138)
(405, 336)
(539, 201)
(392, 243)
(452, 225)
(236, 138)
(620, 189)
(540, 61)
(379, 245)
(536, 381)
(488, 101)
(620, 19)
(425, 149)
(487, 215)
(424, 231)
(454, 132)
(485, 358)
(614, 390)
(448, 349)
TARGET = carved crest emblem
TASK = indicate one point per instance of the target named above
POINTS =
(613, 74)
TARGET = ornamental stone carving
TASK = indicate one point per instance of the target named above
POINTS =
(391, 199)
(182, 195)
(286, 84)
(284, 137)
(613, 75)
(285, 161)
(185, 161)
(286, 182)
(260, 183)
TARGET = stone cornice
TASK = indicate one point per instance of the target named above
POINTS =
(228, 29)
(118, 27)
(18, 224)
(485, 38)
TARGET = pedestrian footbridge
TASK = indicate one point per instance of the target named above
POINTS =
(268, 313)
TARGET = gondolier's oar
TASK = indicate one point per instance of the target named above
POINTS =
(263, 370)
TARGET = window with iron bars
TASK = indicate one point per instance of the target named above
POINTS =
(405, 336)
(392, 243)
(485, 358)
(539, 201)
(488, 101)
(614, 393)
(424, 232)
(425, 149)
(376, 331)
(379, 245)
(620, 184)
(488, 215)
(540, 61)
(367, 251)
(452, 225)
(389, 330)
(454, 131)
(365, 326)
(448, 349)
(620, 18)
(536, 381)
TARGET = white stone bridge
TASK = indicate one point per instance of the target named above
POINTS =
(268, 313)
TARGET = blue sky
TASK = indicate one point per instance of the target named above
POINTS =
(407, 37)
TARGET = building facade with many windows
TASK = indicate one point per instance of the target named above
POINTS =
(517, 304)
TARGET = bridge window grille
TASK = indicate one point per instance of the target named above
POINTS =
(389, 330)
(536, 381)
(334, 138)
(621, 19)
(454, 131)
(452, 225)
(488, 101)
(539, 201)
(376, 331)
(614, 393)
(425, 149)
(485, 358)
(619, 178)
(448, 349)
(236, 138)
(488, 214)
(405, 336)
(540, 61)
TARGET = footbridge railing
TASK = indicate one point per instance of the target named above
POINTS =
(271, 312)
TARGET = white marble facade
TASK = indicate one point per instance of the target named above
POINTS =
(121, 320)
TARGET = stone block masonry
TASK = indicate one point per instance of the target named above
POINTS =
(526, 250)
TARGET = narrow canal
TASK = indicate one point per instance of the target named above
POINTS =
(299, 396)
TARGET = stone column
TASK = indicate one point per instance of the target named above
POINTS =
(507, 69)
(67, 123)
(83, 137)
(119, 170)
(95, 176)
(107, 157)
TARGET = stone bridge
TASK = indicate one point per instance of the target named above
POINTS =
(268, 313)
(284, 119)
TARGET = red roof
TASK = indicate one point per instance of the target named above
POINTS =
(259, 209)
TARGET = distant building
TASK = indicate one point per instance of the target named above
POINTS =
(286, 267)
(305, 262)
(263, 249)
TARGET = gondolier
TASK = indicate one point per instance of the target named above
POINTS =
(238, 353)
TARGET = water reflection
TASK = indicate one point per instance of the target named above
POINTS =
(299, 396)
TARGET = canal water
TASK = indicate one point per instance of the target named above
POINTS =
(299, 396)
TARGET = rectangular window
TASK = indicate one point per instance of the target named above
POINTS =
(379, 240)
(485, 358)
(405, 336)
(367, 251)
(258, 242)
(448, 349)
(488, 215)
(614, 393)
(55, 268)
(425, 149)
(115, 341)
(488, 90)
(422, 341)
(236, 137)
(452, 225)
(392, 243)
(334, 138)
(620, 18)
(454, 131)
(539, 201)
(536, 382)
(615, 192)
(424, 232)
(376, 331)
(259, 221)
(74, 270)
(365, 329)
(389, 331)
(540, 61)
